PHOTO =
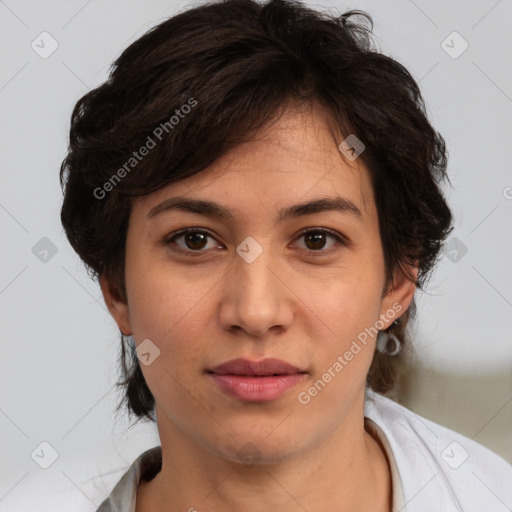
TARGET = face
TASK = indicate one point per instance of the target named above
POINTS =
(266, 279)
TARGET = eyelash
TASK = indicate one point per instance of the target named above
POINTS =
(321, 252)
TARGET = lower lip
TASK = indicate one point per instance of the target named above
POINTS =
(257, 389)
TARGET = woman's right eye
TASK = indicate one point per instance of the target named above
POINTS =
(191, 241)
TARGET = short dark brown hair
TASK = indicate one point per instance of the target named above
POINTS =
(235, 64)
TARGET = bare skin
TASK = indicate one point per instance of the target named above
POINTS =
(297, 301)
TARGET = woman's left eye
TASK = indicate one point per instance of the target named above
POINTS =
(315, 240)
(195, 240)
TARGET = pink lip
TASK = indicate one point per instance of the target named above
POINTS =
(256, 380)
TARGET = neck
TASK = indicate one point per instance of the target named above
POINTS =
(348, 470)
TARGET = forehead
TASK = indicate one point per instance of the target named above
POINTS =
(293, 159)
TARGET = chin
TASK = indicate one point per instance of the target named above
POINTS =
(257, 449)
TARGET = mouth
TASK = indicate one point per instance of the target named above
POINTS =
(256, 381)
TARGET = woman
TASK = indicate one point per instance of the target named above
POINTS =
(258, 192)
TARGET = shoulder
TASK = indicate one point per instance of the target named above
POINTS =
(439, 467)
(123, 496)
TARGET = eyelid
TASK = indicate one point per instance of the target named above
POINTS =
(327, 231)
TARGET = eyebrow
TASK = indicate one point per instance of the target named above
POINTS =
(211, 209)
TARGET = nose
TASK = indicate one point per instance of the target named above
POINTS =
(256, 296)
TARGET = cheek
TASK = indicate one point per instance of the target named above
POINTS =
(160, 297)
(350, 315)
(344, 355)
(348, 305)
(351, 299)
(173, 310)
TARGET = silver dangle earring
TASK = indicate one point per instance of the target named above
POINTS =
(387, 342)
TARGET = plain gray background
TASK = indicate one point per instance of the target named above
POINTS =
(60, 346)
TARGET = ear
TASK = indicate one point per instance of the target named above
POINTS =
(400, 293)
(115, 304)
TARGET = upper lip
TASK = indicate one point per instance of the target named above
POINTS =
(269, 366)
